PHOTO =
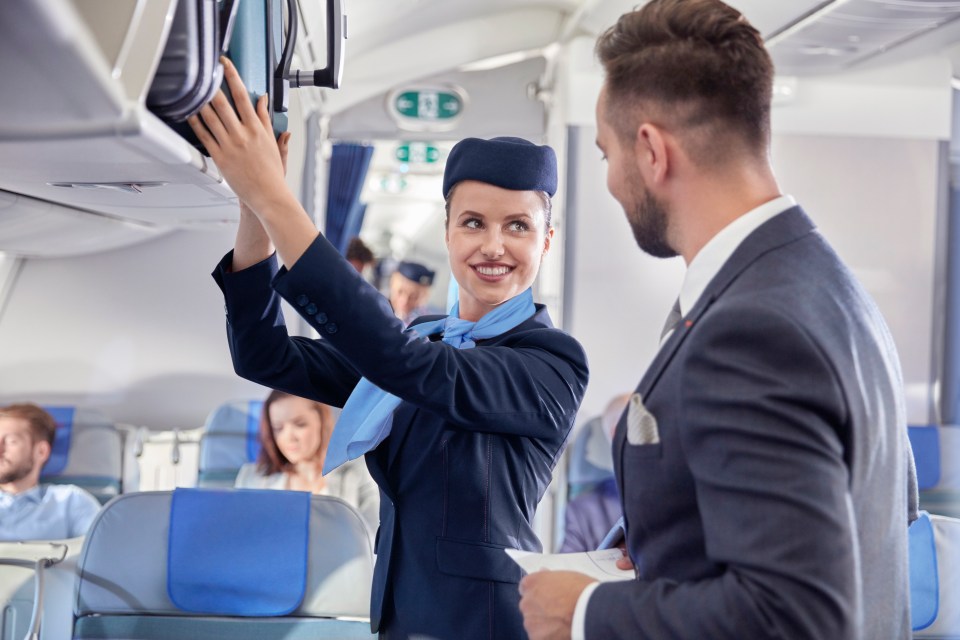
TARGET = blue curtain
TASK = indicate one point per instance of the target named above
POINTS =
(348, 170)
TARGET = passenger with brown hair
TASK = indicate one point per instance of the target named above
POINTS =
(294, 435)
(29, 510)
(359, 254)
(763, 460)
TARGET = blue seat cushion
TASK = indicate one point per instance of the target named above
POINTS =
(238, 552)
(60, 453)
(925, 442)
(924, 581)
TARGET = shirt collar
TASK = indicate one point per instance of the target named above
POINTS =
(707, 263)
(33, 494)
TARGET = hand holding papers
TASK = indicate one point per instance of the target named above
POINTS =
(599, 565)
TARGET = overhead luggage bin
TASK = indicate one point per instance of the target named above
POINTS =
(76, 129)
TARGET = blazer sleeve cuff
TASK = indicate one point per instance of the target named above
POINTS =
(257, 275)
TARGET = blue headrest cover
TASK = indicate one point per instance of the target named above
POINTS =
(238, 552)
(925, 442)
(254, 409)
(924, 581)
(60, 453)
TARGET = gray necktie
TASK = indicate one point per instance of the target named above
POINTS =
(673, 319)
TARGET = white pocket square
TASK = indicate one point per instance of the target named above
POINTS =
(641, 425)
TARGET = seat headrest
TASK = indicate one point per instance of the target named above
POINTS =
(925, 442)
(123, 568)
(591, 459)
(87, 451)
(231, 435)
(924, 583)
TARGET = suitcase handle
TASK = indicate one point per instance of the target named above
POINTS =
(330, 75)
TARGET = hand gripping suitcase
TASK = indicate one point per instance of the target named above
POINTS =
(189, 72)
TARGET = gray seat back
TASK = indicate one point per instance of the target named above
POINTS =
(229, 441)
(94, 456)
(123, 565)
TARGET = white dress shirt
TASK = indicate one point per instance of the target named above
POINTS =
(701, 270)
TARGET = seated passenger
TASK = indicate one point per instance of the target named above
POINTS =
(294, 434)
(359, 254)
(590, 515)
(28, 510)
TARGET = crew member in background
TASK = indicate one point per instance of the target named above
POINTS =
(410, 291)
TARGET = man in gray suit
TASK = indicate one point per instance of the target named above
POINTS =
(763, 461)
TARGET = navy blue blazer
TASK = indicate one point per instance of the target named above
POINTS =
(776, 503)
(471, 451)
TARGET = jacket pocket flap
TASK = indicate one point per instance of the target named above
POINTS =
(477, 560)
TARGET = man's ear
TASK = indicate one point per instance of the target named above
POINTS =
(652, 153)
(41, 452)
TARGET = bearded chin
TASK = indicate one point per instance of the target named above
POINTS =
(15, 475)
(649, 225)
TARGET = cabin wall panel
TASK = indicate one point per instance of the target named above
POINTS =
(874, 199)
(137, 332)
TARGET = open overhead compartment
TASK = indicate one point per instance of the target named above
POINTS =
(75, 129)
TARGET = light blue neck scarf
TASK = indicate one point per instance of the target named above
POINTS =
(367, 416)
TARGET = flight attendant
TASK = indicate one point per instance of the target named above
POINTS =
(464, 416)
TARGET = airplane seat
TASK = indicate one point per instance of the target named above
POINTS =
(935, 577)
(590, 459)
(37, 583)
(87, 452)
(936, 452)
(230, 440)
(224, 563)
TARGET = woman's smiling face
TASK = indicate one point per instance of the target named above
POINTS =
(496, 238)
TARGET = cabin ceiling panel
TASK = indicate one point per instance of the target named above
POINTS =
(809, 37)
(494, 97)
(431, 51)
(845, 33)
(766, 16)
(375, 23)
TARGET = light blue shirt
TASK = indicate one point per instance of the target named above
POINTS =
(46, 512)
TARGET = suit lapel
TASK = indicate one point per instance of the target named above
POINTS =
(780, 230)
(774, 233)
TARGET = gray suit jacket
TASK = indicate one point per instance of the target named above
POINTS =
(776, 502)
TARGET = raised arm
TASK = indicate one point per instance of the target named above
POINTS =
(253, 244)
(241, 143)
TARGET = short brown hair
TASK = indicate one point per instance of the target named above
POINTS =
(357, 250)
(271, 460)
(696, 63)
(42, 425)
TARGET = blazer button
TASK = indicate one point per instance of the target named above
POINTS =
(331, 327)
(311, 309)
(302, 300)
(321, 318)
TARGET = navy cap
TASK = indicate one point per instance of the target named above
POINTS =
(416, 272)
(510, 163)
